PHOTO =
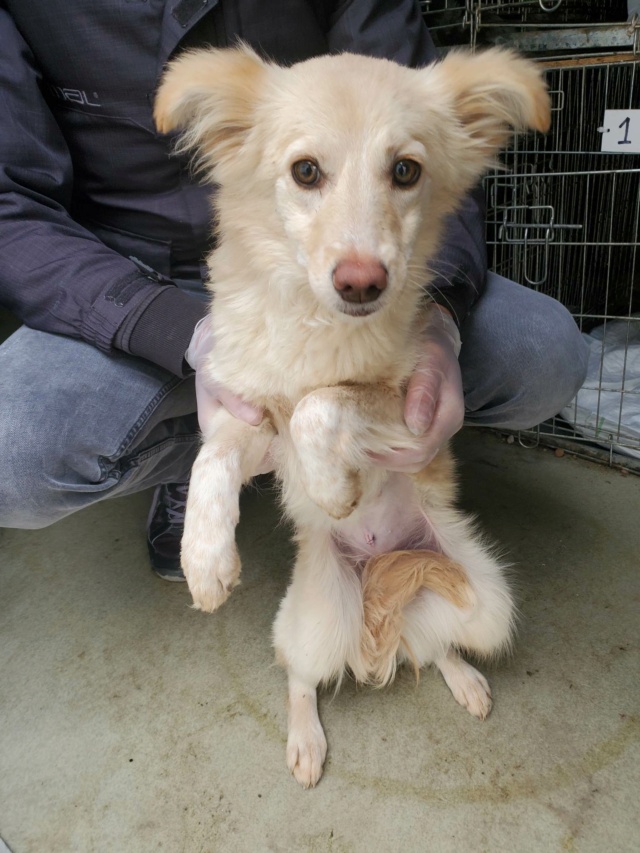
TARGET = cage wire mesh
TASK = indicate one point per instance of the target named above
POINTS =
(564, 217)
(553, 27)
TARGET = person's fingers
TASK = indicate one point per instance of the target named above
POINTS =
(207, 406)
(445, 415)
(447, 420)
(448, 417)
(402, 461)
(239, 408)
(210, 400)
(421, 401)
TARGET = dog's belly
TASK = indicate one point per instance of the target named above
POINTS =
(391, 521)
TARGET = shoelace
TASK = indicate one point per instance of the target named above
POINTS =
(175, 501)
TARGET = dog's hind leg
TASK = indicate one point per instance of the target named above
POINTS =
(316, 634)
(487, 630)
(430, 626)
(306, 741)
(227, 459)
(434, 628)
(389, 583)
(469, 687)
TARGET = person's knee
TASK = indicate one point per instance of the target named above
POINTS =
(549, 367)
(64, 446)
(26, 498)
(37, 474)
(573, 356)
(534, 360)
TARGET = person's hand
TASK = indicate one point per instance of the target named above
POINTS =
(211, 396)
(434, 405)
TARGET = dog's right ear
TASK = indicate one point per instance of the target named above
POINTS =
(211, 95)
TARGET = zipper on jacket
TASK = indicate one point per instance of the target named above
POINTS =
(149, 272)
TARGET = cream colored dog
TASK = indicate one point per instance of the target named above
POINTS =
(334, 177)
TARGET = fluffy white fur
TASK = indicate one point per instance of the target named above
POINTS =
(330, 380)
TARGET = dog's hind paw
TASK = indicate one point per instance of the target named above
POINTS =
(306, 752)
(469, 687)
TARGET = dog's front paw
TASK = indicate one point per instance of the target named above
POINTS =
(306, 752)
(321, 429)
(211, 581)
(337, 496)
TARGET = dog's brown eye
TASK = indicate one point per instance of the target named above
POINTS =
(406, 173)
(306, 173)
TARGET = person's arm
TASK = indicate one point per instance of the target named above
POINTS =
(55, 275)
(394, 29)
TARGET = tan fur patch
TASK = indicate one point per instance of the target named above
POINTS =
(389, 582)
(437, 482)
(439, 472)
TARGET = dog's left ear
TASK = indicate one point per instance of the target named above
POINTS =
(493, 91)
(211, 95)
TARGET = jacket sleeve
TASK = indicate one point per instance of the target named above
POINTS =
(394, 29)
(55, 275)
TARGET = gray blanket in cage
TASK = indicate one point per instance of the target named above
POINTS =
(607, 407)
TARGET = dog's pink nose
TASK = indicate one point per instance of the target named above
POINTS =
(360, 279)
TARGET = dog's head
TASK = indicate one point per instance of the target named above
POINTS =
(347, 165)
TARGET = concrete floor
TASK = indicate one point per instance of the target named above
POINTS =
(131, 723)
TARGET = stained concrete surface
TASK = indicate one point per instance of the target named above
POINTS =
(130, 722)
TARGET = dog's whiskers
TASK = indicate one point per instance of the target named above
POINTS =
(455, 272)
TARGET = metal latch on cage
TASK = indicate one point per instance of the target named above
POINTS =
(538, 231)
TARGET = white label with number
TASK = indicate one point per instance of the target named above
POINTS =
(621, 131)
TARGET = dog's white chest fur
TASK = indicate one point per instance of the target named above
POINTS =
(266, 349)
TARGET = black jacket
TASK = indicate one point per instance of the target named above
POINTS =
(86, 182)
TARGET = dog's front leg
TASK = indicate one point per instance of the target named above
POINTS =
(333, 428)
(227, 459)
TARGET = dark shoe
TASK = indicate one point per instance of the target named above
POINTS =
(165, 527)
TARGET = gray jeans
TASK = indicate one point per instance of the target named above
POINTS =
(78, 426)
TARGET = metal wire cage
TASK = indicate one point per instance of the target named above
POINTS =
(564, 219)
(549, 12)
(554, 27)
